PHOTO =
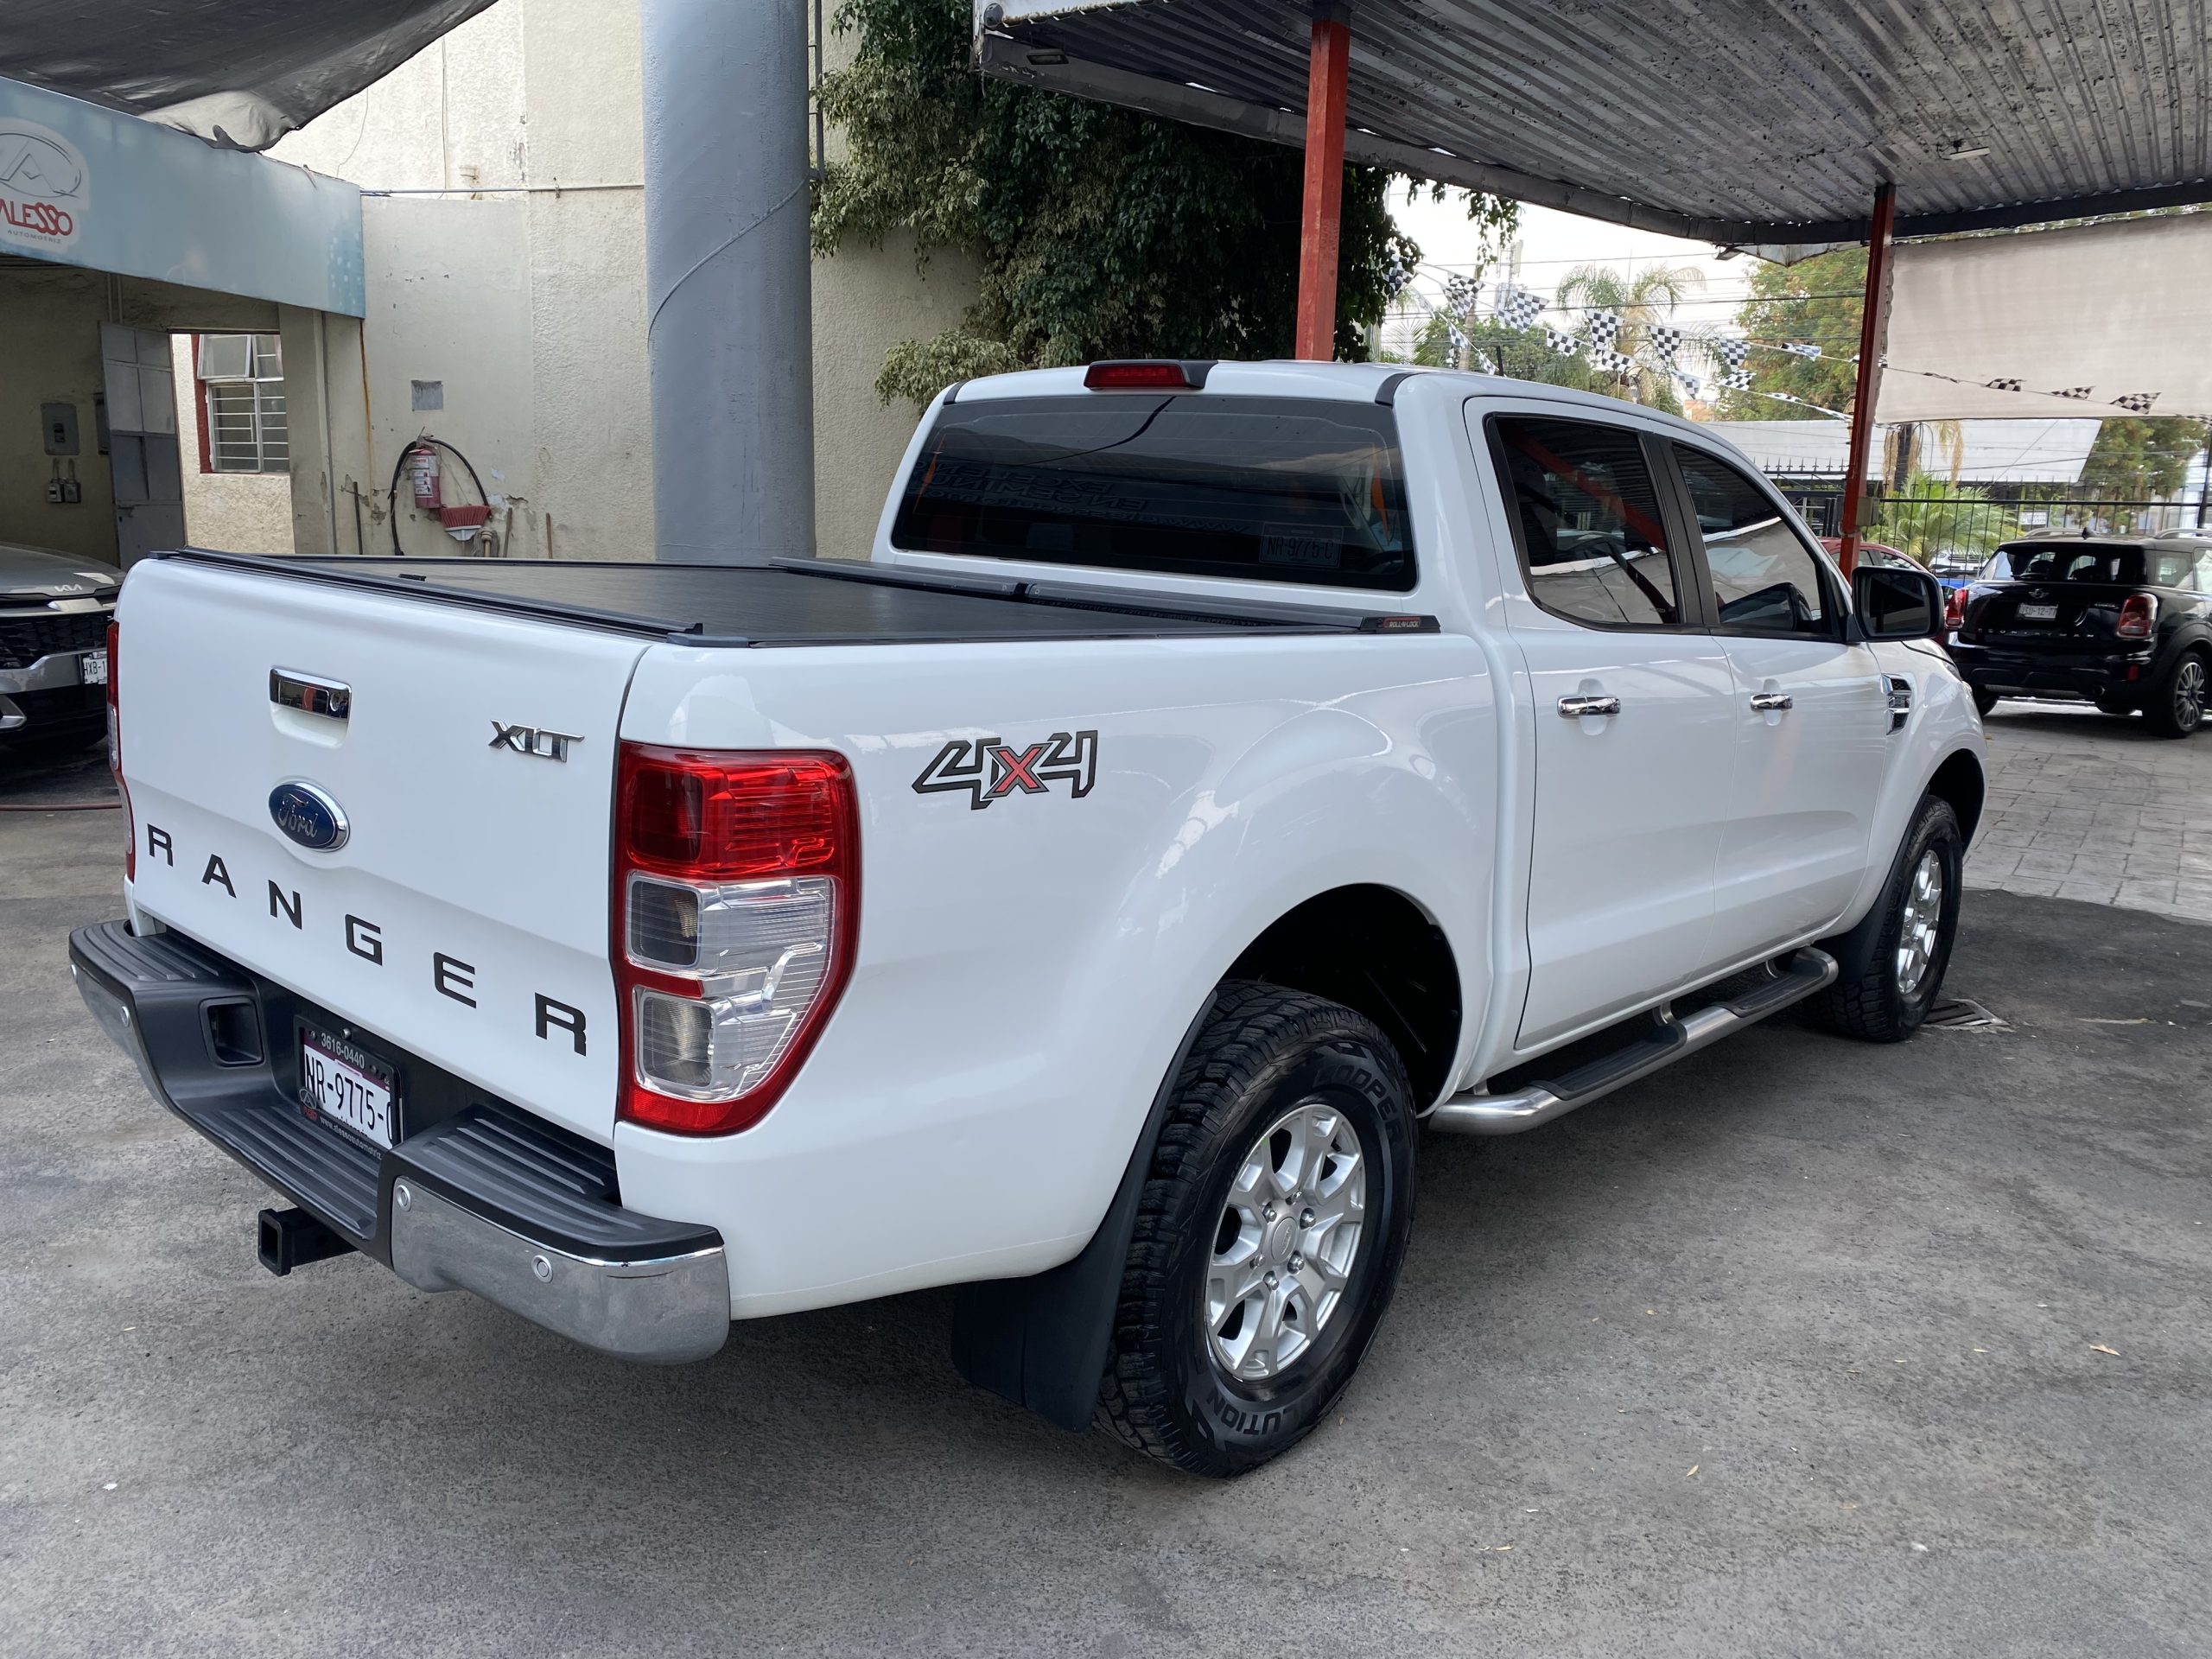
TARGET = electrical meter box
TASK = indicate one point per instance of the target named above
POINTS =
(58, 422)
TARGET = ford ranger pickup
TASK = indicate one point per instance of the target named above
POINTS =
(1215, 775)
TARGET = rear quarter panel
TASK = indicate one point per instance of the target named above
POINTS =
(1026, 969)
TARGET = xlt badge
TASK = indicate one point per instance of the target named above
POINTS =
(532, 740)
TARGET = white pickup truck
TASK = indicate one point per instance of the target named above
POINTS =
(1218, 772)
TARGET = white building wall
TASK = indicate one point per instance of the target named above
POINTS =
(507, 262)
(240, 512)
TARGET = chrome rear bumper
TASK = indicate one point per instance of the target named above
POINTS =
(664, 1309)
(478, 1195)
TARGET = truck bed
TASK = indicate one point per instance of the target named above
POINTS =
(795, 602)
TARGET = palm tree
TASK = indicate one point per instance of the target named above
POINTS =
(1642, 301)
(1933, 516)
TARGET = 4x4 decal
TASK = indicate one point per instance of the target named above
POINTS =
(991, 771)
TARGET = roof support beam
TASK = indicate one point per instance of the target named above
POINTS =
(1328, 74)
(1873, 337)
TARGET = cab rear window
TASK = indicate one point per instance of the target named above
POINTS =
(1273, 489)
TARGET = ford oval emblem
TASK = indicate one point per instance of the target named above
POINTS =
(309, 816)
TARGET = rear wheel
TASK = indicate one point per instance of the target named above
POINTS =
(1984, 701)
(1269, 1235)
(2176, 705)
(1894, 961)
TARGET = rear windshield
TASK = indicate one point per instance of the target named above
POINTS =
(2123, 565)
(1280, 489)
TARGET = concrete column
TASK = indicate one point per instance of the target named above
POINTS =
(727, 278)
(357, 494)
(307, 423)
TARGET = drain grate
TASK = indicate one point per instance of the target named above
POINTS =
(1962, 1014)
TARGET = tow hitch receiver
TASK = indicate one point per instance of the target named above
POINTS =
(292, 1238)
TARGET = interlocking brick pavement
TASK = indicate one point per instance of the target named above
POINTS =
(2083, 805)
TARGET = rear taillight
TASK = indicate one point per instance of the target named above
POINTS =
(736, 908)
(1954, 608)
(115, 759)
(2139, 615)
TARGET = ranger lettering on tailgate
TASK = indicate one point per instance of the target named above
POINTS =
(450, 976)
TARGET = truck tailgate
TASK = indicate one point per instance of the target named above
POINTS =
(464, 918)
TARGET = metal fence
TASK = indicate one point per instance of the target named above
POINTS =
(1926, 526)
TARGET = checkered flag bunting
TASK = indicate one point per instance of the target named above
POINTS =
(1732, 353)
(1602, 327)
(1611, 361)
(1517, 308)
(2002, 386)
(1689, 383)
(1560, 342)
(2079, 394)
(1801, 348)
(2136, 403)
(1737, 380)
(1459, 340)
(1460, 293)
(1664, 340)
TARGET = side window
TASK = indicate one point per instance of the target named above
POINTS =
(2203, 582)
(1586, 516)
(1764, 579)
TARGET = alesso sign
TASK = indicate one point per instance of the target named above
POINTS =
(44, 186)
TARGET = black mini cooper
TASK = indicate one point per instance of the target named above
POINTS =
(2124, 622)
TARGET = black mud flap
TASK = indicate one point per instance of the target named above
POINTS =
(1041, 1341)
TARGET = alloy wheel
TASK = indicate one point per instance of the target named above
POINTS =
(1285, 1241)
(1923, 923)
(2189, 694)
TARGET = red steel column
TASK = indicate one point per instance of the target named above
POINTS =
(1327, 74)
(1873, 336)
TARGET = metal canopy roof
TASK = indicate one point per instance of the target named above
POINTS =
(241, 72)
(1742, 121)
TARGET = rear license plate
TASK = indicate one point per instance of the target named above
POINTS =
(2037, 612)
(339, 1081)
(91, 667)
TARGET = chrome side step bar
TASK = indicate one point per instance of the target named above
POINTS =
(1476, 1112)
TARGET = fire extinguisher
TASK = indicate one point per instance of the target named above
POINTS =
(422, 475)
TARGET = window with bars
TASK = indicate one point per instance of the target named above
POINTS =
(242, 404)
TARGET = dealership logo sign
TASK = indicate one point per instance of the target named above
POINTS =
(44, 188)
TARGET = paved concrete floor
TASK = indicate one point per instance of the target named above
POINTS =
(1799, 1348)
(2082, 806)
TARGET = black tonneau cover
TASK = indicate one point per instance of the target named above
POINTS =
(808, 602)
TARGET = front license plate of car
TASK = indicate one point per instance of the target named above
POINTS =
(341, 1081)
(2038, 612)
(91, 667)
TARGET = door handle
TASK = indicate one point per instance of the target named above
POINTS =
(1575, 708)
(1771, 702)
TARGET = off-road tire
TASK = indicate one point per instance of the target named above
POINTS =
(2175, 706)
(1866, 1001)
(1264, 1049)
(1984, 701)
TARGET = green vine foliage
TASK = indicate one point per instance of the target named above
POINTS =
(1101, 231)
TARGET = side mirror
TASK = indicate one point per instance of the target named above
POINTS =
(1894, 604)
